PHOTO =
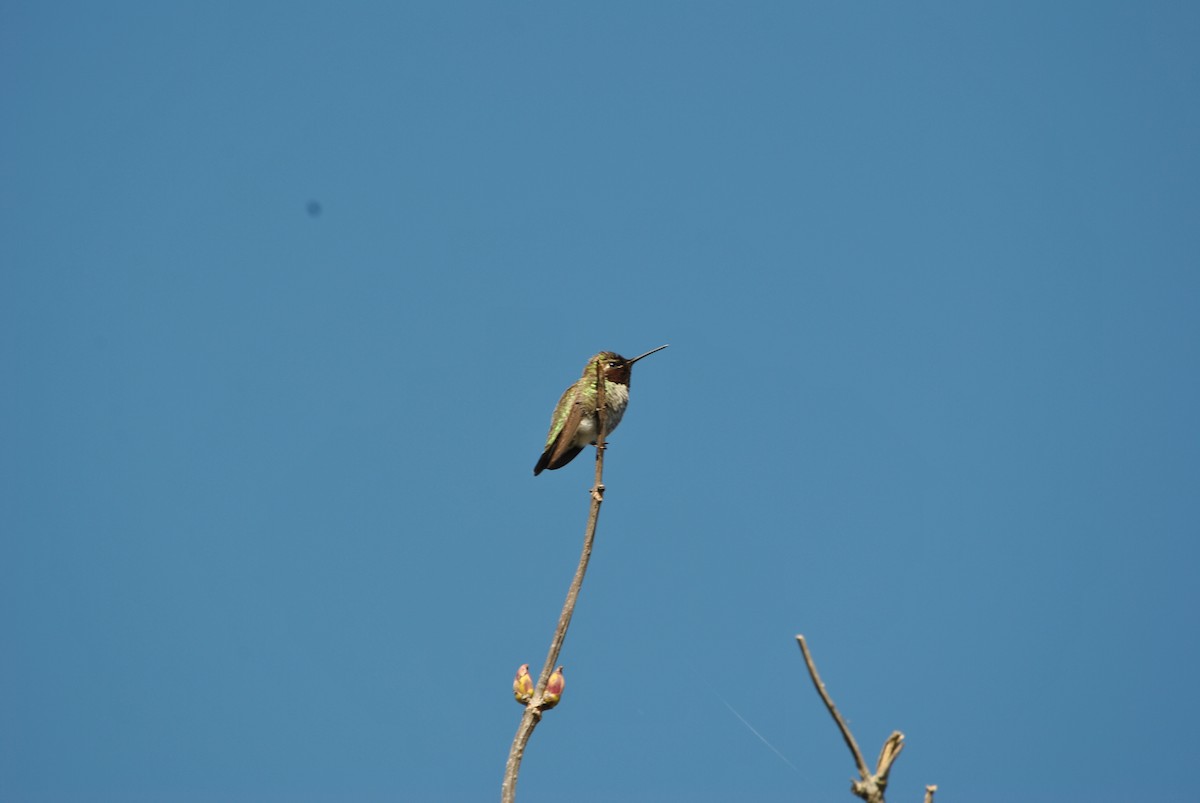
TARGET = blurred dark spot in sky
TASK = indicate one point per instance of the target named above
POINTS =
(313, 208)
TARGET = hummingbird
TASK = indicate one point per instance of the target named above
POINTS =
(575, 423)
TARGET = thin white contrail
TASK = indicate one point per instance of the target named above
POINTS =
(761, 738)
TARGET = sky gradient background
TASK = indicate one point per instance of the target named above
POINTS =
(288, 294)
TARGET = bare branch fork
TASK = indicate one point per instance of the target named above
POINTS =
(869, 786)
(538, 704)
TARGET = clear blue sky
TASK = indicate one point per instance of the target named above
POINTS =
(930, 273)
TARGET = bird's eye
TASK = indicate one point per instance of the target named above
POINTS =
(614, 364)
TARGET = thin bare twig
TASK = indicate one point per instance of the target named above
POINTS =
(536, 706)
(870, 787)
(837, 717)
(929, 790)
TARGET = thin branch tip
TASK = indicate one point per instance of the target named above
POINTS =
(539, 704)
(847, 736)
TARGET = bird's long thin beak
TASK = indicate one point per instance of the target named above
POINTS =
(648, 353)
